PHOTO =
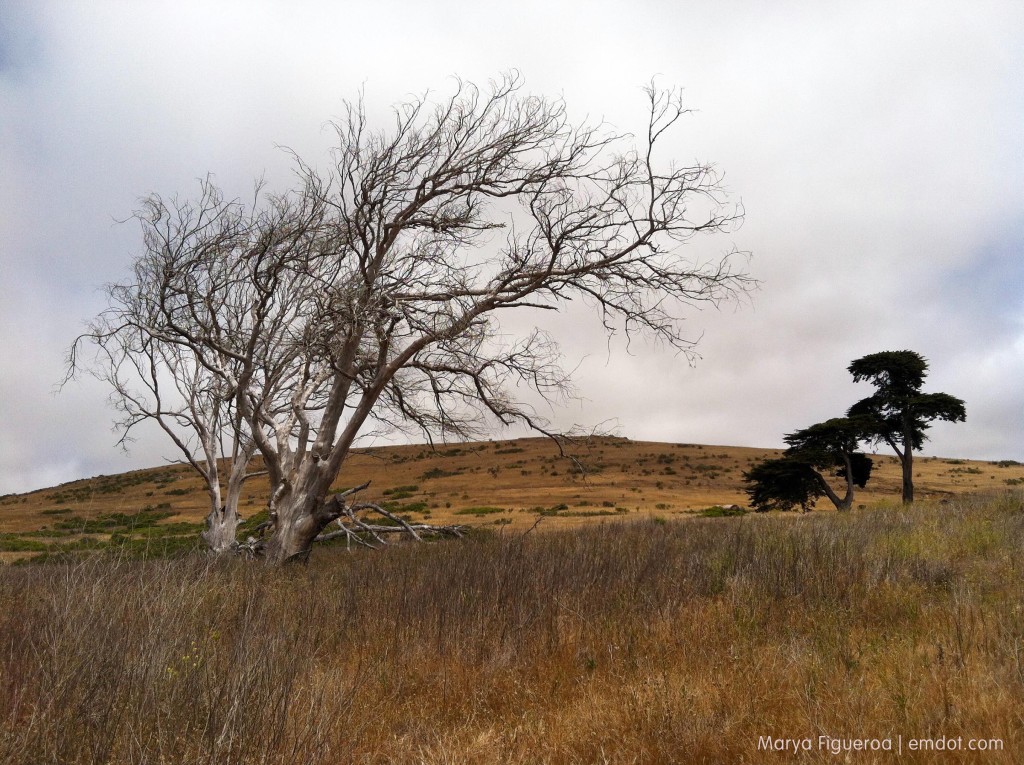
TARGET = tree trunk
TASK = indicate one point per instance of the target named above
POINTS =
(220, 534)
(908, 457)
(223, 520)
(908, 477)
(298, 519)
(843, 504)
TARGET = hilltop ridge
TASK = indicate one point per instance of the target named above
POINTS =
(496, 483)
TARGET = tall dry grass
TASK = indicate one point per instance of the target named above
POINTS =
(655, 642)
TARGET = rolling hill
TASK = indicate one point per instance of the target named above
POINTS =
(491, 483)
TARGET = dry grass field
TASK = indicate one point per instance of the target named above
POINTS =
(496, 483)
(625, 628)
(662, 640)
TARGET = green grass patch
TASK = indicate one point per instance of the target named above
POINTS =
(109, 522)
(17, 543)
(248, 526)
(553, 510)
(717, 511)
(401, 492)
(480, 511)
(438, 473)
(411, 507)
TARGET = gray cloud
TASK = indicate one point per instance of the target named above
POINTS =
(875, 147)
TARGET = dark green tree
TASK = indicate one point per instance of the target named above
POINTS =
(899, 413)
(798, 477)
(782, 484)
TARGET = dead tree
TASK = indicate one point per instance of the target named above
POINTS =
(368, 297)
(166, 383)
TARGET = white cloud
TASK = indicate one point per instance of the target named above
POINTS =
(875, 146)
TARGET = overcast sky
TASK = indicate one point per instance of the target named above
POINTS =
(877, 147)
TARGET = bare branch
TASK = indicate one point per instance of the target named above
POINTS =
(368, 296)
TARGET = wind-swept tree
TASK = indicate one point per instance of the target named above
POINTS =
(798, 477)
(899, 413)
(368, 297)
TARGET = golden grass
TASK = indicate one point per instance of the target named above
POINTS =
(624, 479)
(646, 642)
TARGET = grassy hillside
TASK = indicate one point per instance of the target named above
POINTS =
(495, 483)
(652, 641)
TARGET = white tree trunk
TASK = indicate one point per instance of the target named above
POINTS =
(223, 520)
(220, 534)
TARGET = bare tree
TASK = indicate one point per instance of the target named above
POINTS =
(155, 373)
(368, 297)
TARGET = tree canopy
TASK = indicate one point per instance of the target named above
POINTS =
(798, 477)
(782, 484)
(899, 413)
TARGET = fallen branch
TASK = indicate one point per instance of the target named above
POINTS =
(356, 529)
